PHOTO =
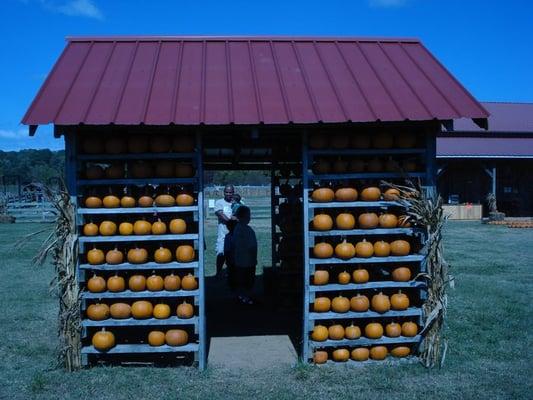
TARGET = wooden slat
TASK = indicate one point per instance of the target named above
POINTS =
(364, 232)
(370, 260)
(139, 156)
(355, 204)
(137, 238)
(359, 152)
(410, 312)
(137, 210)
(363, 341)
(140, 182)
(368, 285)
(145, 266)
(140, 322)
(367, 175)
(142, 348)
(128, 294)
(388, 361)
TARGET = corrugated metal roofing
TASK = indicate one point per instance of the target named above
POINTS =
(504, 117)
(484, 147)
(237, 80)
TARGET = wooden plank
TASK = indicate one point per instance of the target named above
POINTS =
(140, 322)
(142, 348)
(410, 312)
(389, 361)
(369, 285)
(359, 152)
(356, 204)
(365, 232)
(202, 334)
(139, 156)
(306, 274)
(145, 266)
(139, 182)
(367, 175)
(137, 210)
(137, 238)
(128, 294)
(363, 341)
(370, 260)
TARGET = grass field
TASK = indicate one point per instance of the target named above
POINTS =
(489, 336)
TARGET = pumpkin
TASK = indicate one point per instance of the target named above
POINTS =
(340, 166)
(120, 310)
(336, 332)
(400, 351)
(165, 200)
(185, 253)
(116, 283)
(95, 256)
(176, 337)
(137, 144)
(93, 202)
(404, 221)
(346, 194)
(360, 275)
(340, 304)
(368, 220)
(318, 141)
(393, 329)
(92, 146)
(96, 284)
(322, 304)
(103, 340)
(320, 167)
(140, 170)
(341, 355)
(370, 194)
(400, 248)
(374, 330)
(115, 145)
(164, 169)
(356, 166)
(401, 274)
(137, 283)
(146, 201)
(142, 227)
(183, 144)
(409, 329)
(352, 332)
(391, 194)
(321, 277)
(340, 141)
(177, 226)
(388, 221)
(125, 228)
(378, 353)
(172, 282)
(137, 256)
(188, 282)
(183, 170)
(343, 278)
(154, 283)
(382, 140)
(90, 229)
(364, 249)
(323, 250)
(184, 200)
(127, 202)
(405, 140)
(359, 303)
(115, 171)
(322, 222)
(380, 303)
(360, 354)
(161, 311)
(107, 228)
(381, 249)
(345, 221)
(323, 195)
(142, 309)
(345, 250)
(320, 333)
(320, 357)
(159, 144)
(156, 338)
(399, 301)
(375, 165)
(98, 311)
(360, 141)
(185, 310)
(159, 227)
(162, 255)
(111, 201)
(94, 172)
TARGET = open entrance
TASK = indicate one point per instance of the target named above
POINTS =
(266, 171)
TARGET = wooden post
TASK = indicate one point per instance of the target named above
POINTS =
(305, 317)
(201, 278)
(431, 161)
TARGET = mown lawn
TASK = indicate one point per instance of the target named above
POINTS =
(489, 336)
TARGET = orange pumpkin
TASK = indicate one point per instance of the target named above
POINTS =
(92, 146)
(189, 282)
(321, 277)
(352, 332)
(140, 170)
(360, 275)
(176, 337)
(409, 329)
(345, 250)
(399, 301)
(401, 274)
(323, 195)
(391, 194)
(154, 283)
(115, 145)
(165, 200)
(359, 303)
(156, 338)
(184, 170)
(346, 194)
(380, 303)
(115, 171)
(345, 221)
(340, 355)
(96, 284)
(393, 329)
(164, 169)
(127, 202)
(94, 172)
(103, 340)
(172, 282)
(93, 202)
(364, 249)
(90, 229)
(137, 256)
(185, 310)
(320, 167)
(381, 249)
(405, 140)
(340, 304)
(322, 222)
(184, 200)
(374, 330)
(160, 144)
(137, 283)
(400, 248)
(111, 201)
(159, 227)
(185, 253)
(161, 311)
(336, 332)
(116, 283)
(137, 144)
(400, 351)
(320, 333)
(368, 220)
(177, 226)
(107, 228)
(146, 201)
(323, 250)
(340, 166)
(142, 309)
(370, 194)
(125, 228)
(378, 353)
(120, 310)
(95, 256)
(98, 312)
(162, 255)
(322, 304)
(320, 357)
(343, 278)
(360, 354)
(388, 221)
(142, 227)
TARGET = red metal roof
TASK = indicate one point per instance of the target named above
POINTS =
(504, 117)
(484, 147)
(247, 80)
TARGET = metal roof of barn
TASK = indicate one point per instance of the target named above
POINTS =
(247, 80)
(505, 117)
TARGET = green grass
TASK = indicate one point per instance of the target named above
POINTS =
(489, 336)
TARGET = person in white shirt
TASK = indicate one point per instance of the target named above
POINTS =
(224, 215)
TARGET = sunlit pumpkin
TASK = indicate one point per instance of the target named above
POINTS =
(401, 274)
(94, 172)
(323, 195)
(343, 278)
(322, 222)
(340, 304)
(360, 354)
(381, 249)
(137, 255)
(378, 353)
(368, 220)
(359, 303)
(96, 284)
(120, 310)
(177, 226)
(370, 194)
(409, 329)
(156, 338)
(159, 227)
(345, 250)
(142, 309)
(165, 200)
(138, 144)
(185, 310)
(399, 301)
(137, 283)
(161, 311)
(360, 275)
(107, 228)
(154, 283)
(393, 329)
(320, 333)
(320, 357)
(127, 202)
(388, 221)
(162, 255)
(103, 340)
(146, 201)
(321, 277)
(352, 332)
(176, 337)
(323, 250)
(172, 282)
(345, 221)
(183, 143)
(93, 202)
(90, 229)
(364, 249)
(374, 330)
(95, 256)
(380, 303)
(184, 199)
(400, 248)
(185, 253)
(391, 194)
(125, 228)
(336, 332)
(116, 283)
(111, 201)
(189, 282)
(382, 140)
(159, 144)
(142, 227)
(98, 312)
(400, 351)
(340, 355)
(115, 171)
(321, 304)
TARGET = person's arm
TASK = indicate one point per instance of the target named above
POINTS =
(219, 212)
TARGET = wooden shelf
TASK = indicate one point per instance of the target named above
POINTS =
(136, 210)
(138, 156)
(363, 341)
(132, 181)
(410, 312)
(369, 260)
(369, 285)
(136, 238)
(360, 152)
(390, 360)
(140, 322)
(145, 266)
(128, 294)
(364, 232)
(142, 348)
(366, 175)
(356, 204)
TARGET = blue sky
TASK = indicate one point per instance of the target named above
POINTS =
(487, 45)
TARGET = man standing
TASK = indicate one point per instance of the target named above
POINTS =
(224, 215)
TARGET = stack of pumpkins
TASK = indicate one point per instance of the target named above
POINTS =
(104, 340)
(363, 140)
(138, 144)
(139, 227)
(350, 194)
(362, 249)
(139, 283)
(341, 165)
(184, 253)
(377, 353)
(140, 309)
(182, 199)
(359, 275)
(380, 303)
(368, 220)
(140, 170)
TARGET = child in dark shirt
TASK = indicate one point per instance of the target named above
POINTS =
(241, 248)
